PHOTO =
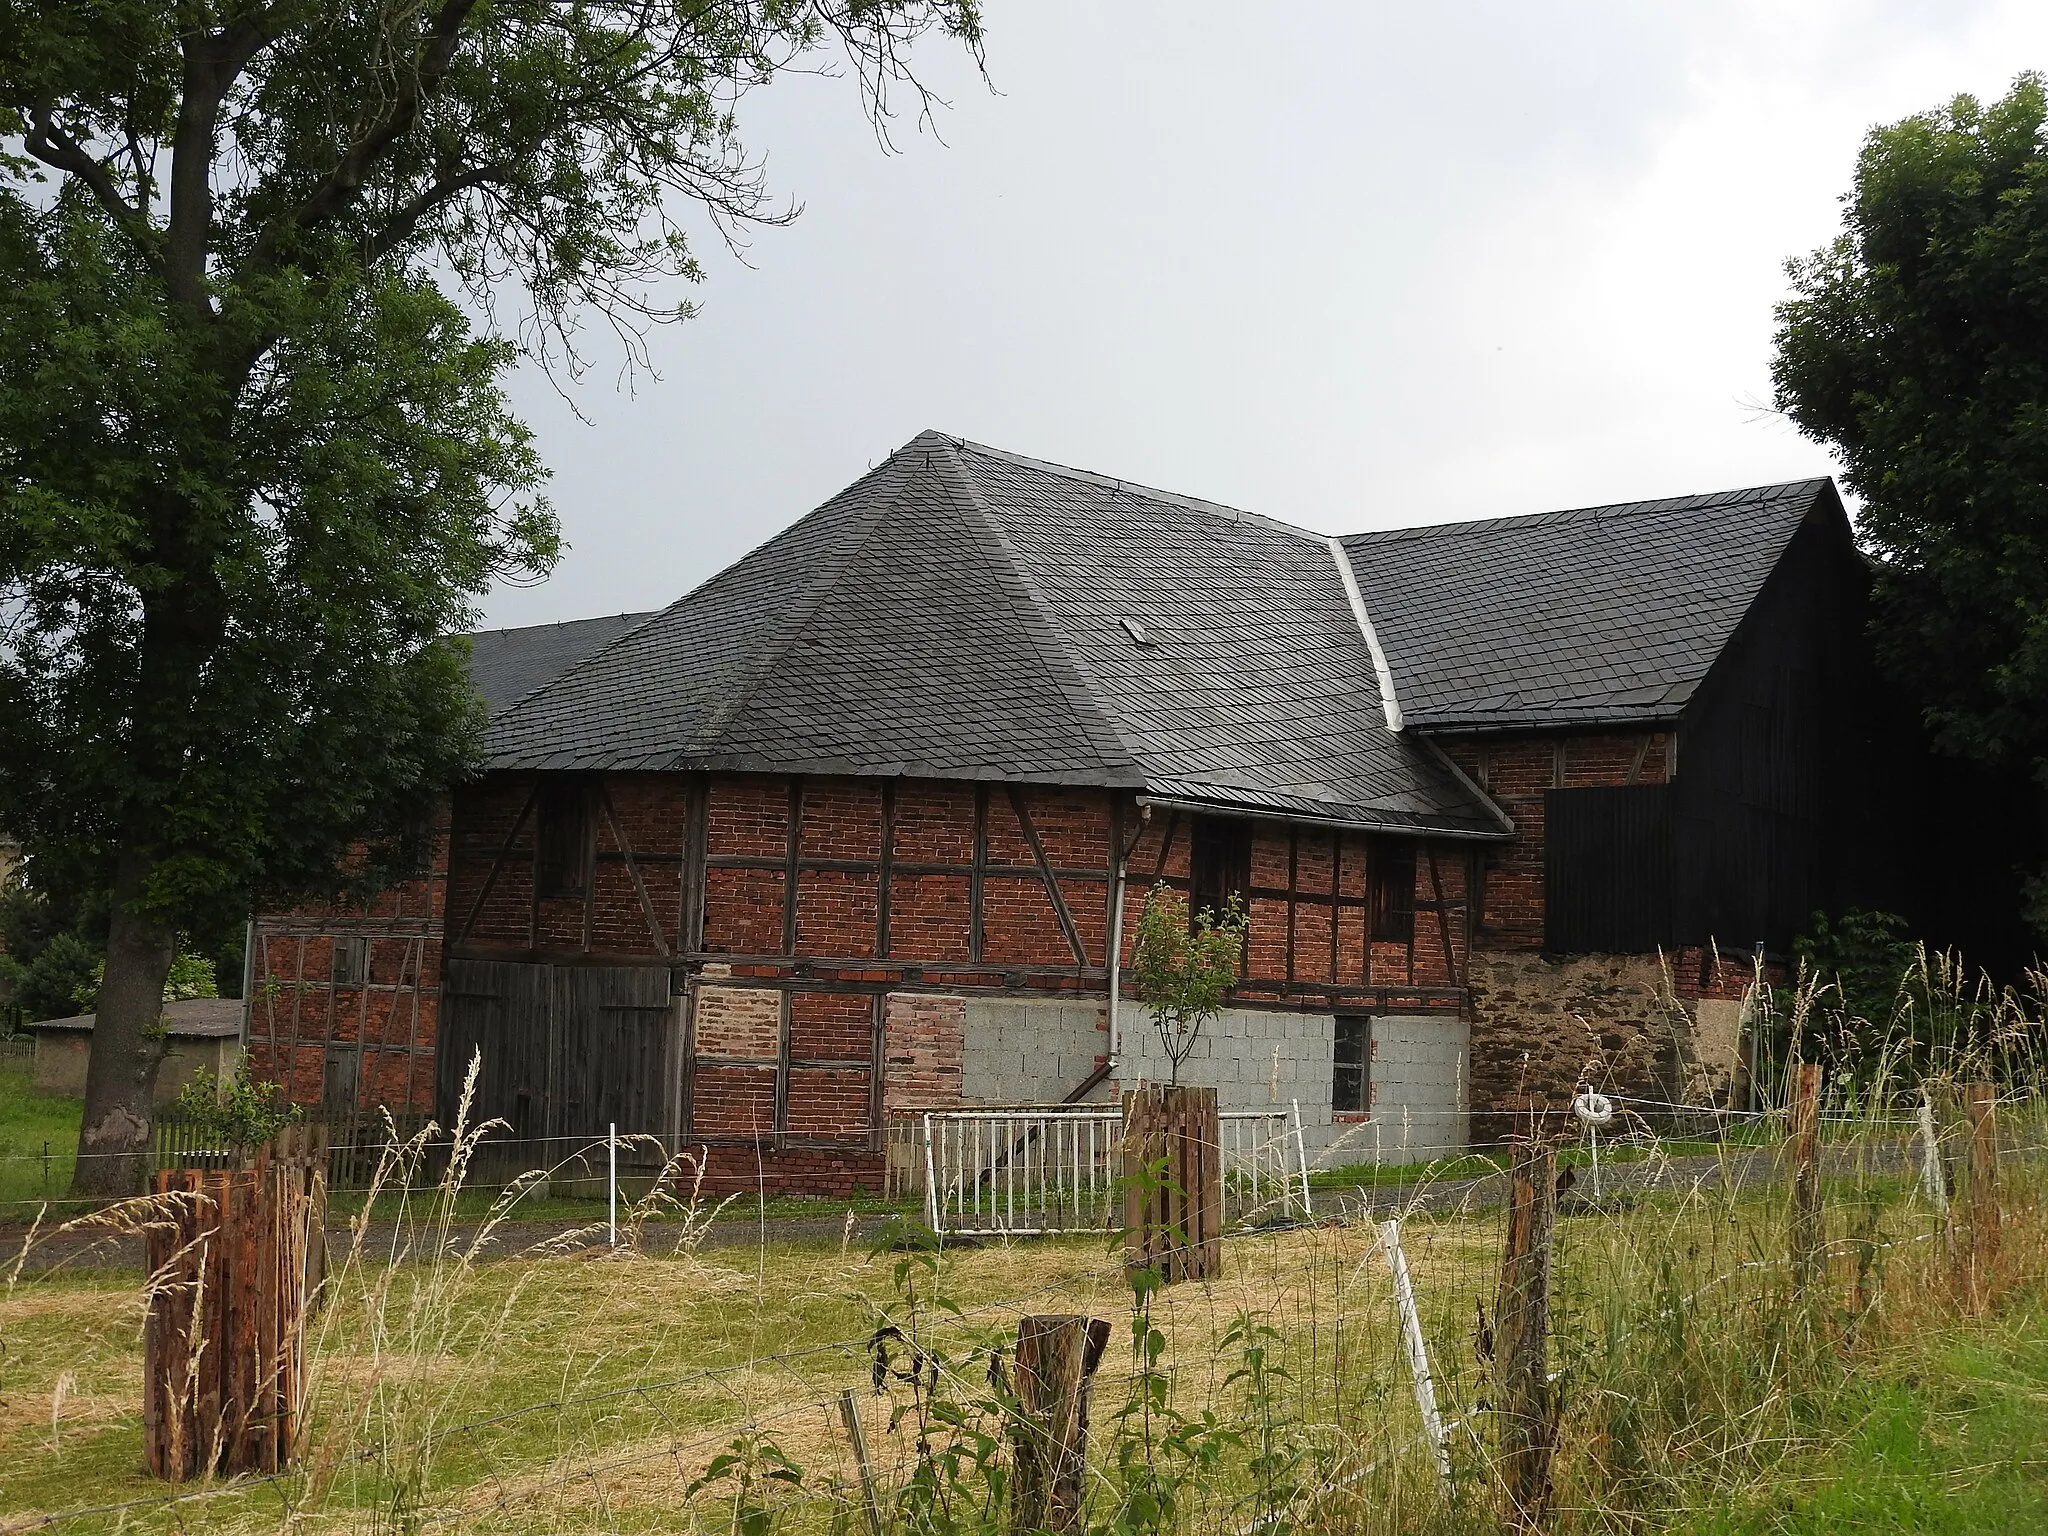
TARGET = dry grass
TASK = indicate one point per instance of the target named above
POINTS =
(458, 1389)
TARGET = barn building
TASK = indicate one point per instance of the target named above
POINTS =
(862, 824)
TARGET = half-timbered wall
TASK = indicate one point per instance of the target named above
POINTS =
(818, 939)
(352, 1029)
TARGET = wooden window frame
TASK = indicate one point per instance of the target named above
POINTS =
(564, 840)
(1358, 1072)
(351, 961)
(1219, 863)
(1390, 891)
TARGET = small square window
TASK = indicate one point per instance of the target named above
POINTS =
(562, 863)
(1351, 1075)
(1391, 867)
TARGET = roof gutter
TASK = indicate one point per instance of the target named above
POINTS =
(1388, 701)
(1327, 823)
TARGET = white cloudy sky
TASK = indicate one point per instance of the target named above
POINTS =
(1354, 264)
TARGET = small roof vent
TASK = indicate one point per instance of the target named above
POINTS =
(1136, 631)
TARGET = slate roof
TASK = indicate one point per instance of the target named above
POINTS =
(505, 665)
(1598, 615)
(959, 612)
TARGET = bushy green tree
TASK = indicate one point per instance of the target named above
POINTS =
(255, 462)
(1916, 347)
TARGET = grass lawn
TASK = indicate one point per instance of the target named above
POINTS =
(556, 1394)
(30, 1122)
(1951, 1435)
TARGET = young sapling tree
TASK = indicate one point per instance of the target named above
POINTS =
(1182, 969)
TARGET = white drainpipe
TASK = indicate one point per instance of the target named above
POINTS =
(1116, 963)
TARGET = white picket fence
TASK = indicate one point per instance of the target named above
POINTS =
(1025, 1170)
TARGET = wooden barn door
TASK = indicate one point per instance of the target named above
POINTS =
(498, 1012)
(612, 1028)
(565, 1051)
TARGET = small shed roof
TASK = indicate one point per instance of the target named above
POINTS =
(505, 665)
(190, 1018)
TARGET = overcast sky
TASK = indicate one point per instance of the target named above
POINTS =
(1356, 265)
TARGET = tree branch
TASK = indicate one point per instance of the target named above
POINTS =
(399, 227)
(344, 185)
(213, 62)
(44, 137)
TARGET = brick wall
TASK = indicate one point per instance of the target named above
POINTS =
(923, 1044)
(816, 924)
(382, 1030)
(1516, 771)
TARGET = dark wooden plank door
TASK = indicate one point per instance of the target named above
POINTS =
(612, 1027)
(496, 1011)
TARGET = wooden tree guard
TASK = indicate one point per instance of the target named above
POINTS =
(1056, 1360)
(1527, 1414)
(224, 1339)
(1808, 1234)
(1980, 1249)
(1173, 1181)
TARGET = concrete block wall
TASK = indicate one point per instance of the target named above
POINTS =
(1027, 1051)
(1254, 1058)
(1420, 1068)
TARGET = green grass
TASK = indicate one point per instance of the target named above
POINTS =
(1953, 1437)
(29, 1121)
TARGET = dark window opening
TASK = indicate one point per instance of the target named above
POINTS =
(351, 961)
(564, 861)
(1351, 1075)
(1390, 865)
(1219, 865)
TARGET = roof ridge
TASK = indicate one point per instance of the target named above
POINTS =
(1735, 496)
(790, 624)
(1084, 691)
(1217, 509)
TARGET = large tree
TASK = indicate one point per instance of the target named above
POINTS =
(262, 266)
(1916, 346)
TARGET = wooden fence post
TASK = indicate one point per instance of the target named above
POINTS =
(1526, 1405)
(870, 1500)
(224, 1336)
(1808, 1234)
(1980, 1257)
(1056, 1360)
(1173, 1220)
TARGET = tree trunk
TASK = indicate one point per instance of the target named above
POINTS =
(127, 1047)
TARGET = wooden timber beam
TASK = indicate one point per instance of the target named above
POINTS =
(1052, 885)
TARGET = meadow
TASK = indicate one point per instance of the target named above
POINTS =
(465, 1379)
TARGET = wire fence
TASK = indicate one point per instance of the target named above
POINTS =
(1334, 1407)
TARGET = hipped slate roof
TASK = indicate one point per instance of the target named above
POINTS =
(960, 612)
(505, 665)
(1603, 614)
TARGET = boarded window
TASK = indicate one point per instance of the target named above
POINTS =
(1390, 868)
(351, 961)
(1219, 864)
(564, 840)
(1607, 869)
(1351, 1075)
